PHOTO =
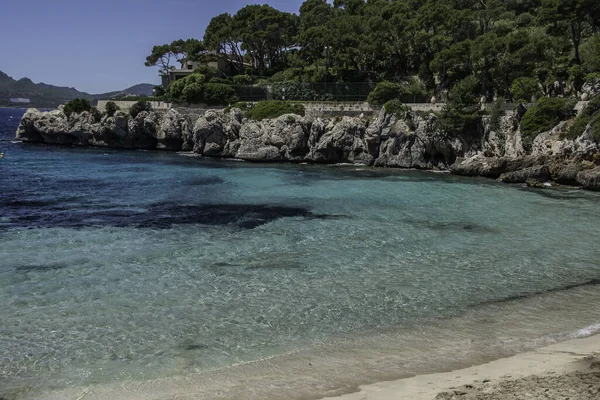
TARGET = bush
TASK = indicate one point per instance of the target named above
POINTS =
(523, 89)
(590, 53)
(595, 128)
(139, 107)
(96, 114)
(242, 105)
(397, 108)
(189, 89)
(220, 80)
(294, 91)
(414, 87)
(583, 119)
(208, 72)
(460, 116)
(192, 92)
(76, 106)
(384, 92)
(219, 94)
(274, 109)
(242, 80)
(111, 108)
(543, 116)
(159, 91)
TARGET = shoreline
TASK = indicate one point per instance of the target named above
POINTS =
(549, 370)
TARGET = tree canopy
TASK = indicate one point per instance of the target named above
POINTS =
(507, 48)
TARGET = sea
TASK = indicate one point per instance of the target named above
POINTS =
(154, 275)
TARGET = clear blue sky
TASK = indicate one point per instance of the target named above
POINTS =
(100, 46)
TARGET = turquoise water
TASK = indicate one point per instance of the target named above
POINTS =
(130, 266)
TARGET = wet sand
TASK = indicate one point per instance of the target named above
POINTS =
(568, 370)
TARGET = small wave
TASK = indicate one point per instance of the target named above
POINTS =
(588, 331)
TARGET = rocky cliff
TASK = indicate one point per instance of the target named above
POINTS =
(387, 141)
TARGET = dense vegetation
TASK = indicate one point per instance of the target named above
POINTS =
(76, 106)
(589, 115)
(138, 107)
(543, 116)
(516, 49)
(196, 88)
(270, 109)
(111, 108)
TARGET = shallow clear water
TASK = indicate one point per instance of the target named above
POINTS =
(119, 266)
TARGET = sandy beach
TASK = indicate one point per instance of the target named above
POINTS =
(567, 370)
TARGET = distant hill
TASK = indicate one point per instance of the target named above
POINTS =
(143, 89)
(44, 95)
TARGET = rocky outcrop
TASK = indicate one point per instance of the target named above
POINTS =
(589, 179)
(540, 173)
(387, 141)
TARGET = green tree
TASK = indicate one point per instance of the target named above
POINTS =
(76, 106)
(164, 56)
(111, 108)
(590, 53)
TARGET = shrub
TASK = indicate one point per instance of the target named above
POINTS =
(523, 89)
(159, 91)
(460, 116)
(274, 109)
(396, 107)
(219, 94)
(189, 89)
(76, 106)
(590, 53)
(414, 87)
(192, 92)
(294, 91)
(96, 114)
(111, 108)
(594, 77)
(139, 107)
(384, 92)
(242, 105)
(207, 71)
(595, 128)
(220, 80)
(242, 80)
(583, 119)
(543, 116)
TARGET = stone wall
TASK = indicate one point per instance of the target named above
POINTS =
(126, 105)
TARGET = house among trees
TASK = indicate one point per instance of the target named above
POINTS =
(226, 64)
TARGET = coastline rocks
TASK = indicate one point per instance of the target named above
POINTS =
(173, 131)
(388, 141)
(282, 139)
(345, 141)
(540, 173)
(589, 179)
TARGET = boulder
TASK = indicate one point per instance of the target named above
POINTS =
(26, 130)
(172, 130)
(141, 131)
(209, 136)
(589, 179)
(346, 141)
(540, 173)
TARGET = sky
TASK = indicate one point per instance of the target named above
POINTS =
(101, 46)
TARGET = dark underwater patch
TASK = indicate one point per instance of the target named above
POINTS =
(156, 216)
(450, 226)
(204, 181)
